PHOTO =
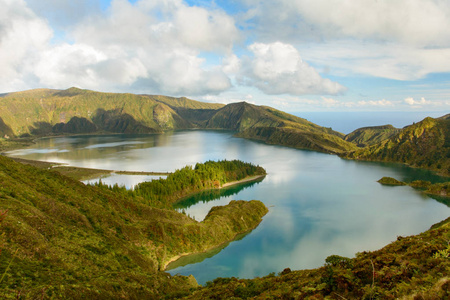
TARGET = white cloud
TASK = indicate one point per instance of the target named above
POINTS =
(277, 68)
(393, 61)
(382, 102)
(166, 39)
(22, 36)
(203, 29)
(395, 39)
(151, 47)
(412, 102)
(84, 66)
(330, 102)
(417, 22)
(231, 64)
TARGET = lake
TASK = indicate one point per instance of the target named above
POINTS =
(319, 204)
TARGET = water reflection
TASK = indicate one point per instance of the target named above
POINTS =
(318, 204)
(214, 194)
(128, 181)
(199, 257)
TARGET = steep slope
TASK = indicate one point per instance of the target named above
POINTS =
(44, 112)
(62, 239)
(5, 130)
(37, 111)
(184, 102)
(276, 127)
(368, 136)
(242, 115)
(425, 144)
(193, 113)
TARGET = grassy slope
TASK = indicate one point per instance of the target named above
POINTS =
(276, 127)
(415, 267)
(53, 112)
(65, 239)
(55, 106)
(368, 136)
(425, 144)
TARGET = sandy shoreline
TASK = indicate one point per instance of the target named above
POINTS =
(247, 179)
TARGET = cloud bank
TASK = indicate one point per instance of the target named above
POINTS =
(226, 50)
(277, 68)
(148, 46)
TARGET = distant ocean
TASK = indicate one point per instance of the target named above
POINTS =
(346, 122)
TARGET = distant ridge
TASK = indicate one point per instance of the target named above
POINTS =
(425, 144)
(367, 136)
(44, 112)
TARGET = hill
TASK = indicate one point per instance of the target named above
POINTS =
(276, 127)
(44, 112)
(425, 144)
(368, 136)
(38, 111)
(62, 239)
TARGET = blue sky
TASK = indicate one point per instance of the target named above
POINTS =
(294, 55)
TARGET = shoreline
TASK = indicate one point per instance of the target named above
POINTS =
(235, 237)
(225, 185)
(223, 244)
(246, 179)
(80, 173)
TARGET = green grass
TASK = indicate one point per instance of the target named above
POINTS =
(63, 239)
(425, 144)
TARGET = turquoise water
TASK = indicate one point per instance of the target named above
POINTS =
(318, 204)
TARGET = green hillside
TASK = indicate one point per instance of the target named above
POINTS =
(368, 136)
(44, 112)
(276, 127)
(62, 239)
(425, 144)
(37, 111)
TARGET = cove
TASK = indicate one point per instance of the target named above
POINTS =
(318, 204)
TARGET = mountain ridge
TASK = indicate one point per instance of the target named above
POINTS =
(49, 112)
(46, 112)
(425, 144)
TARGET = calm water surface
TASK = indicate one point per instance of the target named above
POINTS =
(318, 204)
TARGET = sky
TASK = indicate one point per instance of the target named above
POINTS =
(294, 55)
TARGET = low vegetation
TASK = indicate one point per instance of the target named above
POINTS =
(62, 239)
(415, 267)
(425, 144)
(368, 136)
(390, 181)
(437, 189)
(164, 192)
(44, 112)
(76, 111)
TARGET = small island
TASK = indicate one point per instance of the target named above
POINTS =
(437, 189)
